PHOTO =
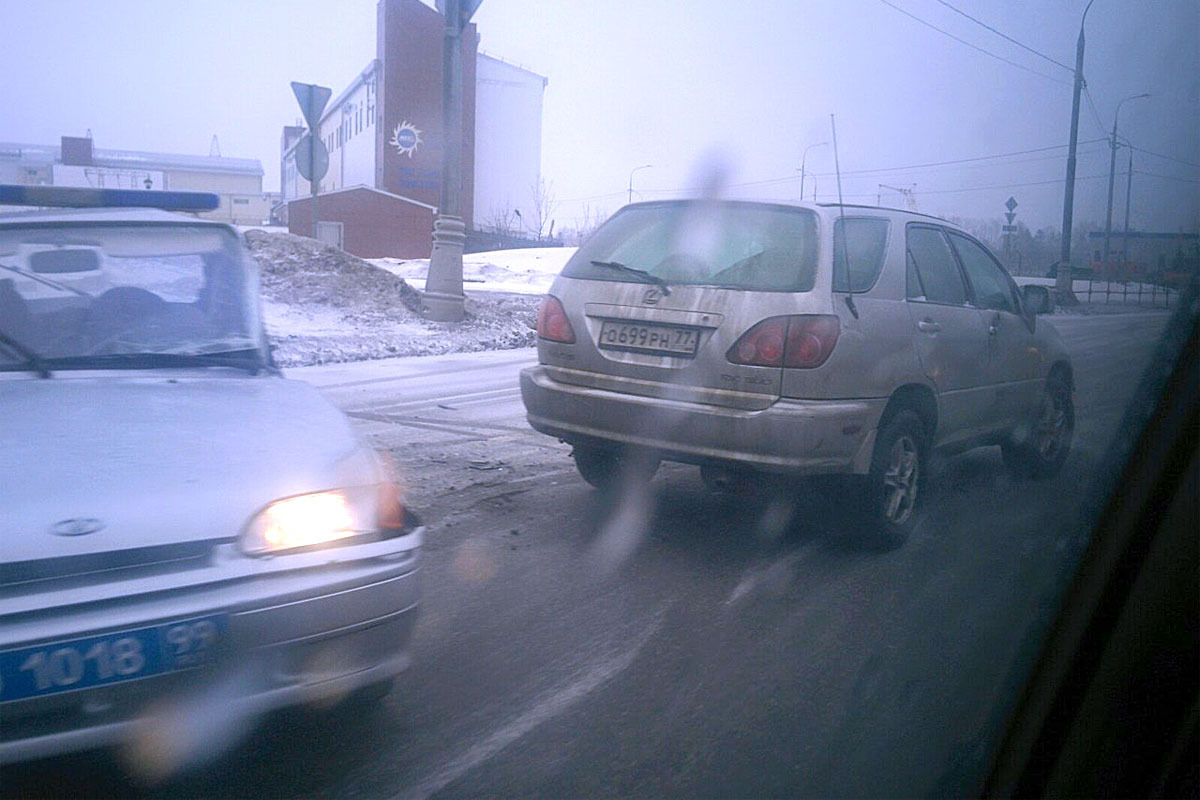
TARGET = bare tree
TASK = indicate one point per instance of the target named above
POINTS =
(545, 203)
(502, 219)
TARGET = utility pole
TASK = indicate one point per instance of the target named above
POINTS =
(1062, 283)
(1125, 236)
(443, 299)
(1112, 170)
(803, 157)
(635, 169)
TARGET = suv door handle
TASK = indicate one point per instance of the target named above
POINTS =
(928, 326)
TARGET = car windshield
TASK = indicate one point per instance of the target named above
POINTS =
(76, 294)
(760, 248)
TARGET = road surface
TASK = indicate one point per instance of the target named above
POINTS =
(677, 643)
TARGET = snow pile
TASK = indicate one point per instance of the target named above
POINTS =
(323, 305)
(526, 271)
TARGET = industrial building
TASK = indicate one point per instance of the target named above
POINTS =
(385, 141)
(77, 162)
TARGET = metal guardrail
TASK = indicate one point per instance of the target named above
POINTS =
(1152, 297)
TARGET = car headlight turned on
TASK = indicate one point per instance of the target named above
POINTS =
(337, 516)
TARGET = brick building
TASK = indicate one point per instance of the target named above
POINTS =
(386, 144)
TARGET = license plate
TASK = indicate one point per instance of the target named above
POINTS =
(644, 337)
(111, 658)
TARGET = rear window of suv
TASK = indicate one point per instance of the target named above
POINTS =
(738, 246)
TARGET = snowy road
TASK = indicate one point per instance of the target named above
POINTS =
(715, 652)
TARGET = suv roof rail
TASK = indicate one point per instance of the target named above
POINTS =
(84, 197)
(884, 208)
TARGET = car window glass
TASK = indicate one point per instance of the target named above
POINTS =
(989, 285)
(762, 248)
(865, 240)
(940, 279)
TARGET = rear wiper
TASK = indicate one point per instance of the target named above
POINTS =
(62, 287)
(32, 361)
(641, 273)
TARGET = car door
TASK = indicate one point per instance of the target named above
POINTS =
(950, 334)
(1012, 352)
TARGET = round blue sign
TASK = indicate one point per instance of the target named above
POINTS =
(406, 138)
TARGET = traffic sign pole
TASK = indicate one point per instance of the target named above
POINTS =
(312, 100)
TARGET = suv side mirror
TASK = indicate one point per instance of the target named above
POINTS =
(1037, 299)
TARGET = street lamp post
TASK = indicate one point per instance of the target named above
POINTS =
(803, 157)
(1112, 170)
(443, 299)
(635, 169)
(1062, 284)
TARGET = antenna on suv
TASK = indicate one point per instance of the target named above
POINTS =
(842, 219)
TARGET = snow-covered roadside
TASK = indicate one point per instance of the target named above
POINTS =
(526, 271)
(322, 305)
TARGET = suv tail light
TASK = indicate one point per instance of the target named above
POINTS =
(800, 341)
(552, 322)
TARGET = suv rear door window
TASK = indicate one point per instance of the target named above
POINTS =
(734, 245)
(865, 239)
(933, 268)
(989, 284)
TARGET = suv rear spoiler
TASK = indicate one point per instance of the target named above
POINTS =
(83, 197)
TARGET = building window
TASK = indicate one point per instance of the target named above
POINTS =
(241, 201)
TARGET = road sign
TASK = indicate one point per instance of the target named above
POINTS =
(1009, 228)
(312, 158)
(1011, 204)
(312, 100)
(1009, 217)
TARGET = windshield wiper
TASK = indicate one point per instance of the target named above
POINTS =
(33, 361)
(249, 360)
(62, 287)
(641, 273)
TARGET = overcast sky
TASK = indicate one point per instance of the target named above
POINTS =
(687, 86)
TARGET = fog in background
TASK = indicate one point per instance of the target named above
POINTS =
(748, 85)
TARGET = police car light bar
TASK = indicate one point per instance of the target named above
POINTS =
(82, 197)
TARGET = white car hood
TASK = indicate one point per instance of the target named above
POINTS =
(160, 458)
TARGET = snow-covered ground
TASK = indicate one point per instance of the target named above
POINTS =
(526, 271)
(322, 305)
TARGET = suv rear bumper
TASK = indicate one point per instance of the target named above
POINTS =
(790, 436)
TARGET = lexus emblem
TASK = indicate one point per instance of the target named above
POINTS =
(79, 526)
(651, 297)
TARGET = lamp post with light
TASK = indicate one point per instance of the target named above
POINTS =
(635, 169)
(1062, 284)
(803, 157)
(1112, 169)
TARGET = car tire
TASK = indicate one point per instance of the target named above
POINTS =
(605, 468)
(897, 478)
(1042, 453)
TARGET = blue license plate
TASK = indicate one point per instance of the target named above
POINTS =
(110, 658)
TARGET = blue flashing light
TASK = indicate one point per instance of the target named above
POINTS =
(82, 197)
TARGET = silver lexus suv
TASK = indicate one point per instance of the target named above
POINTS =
(755, 338)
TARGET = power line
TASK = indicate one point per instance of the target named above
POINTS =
(889, 4)
(1095, 114)
(1005, 186)
(784, 179)
(1168, 158)
(1006, 36)
(959, 160)
(1179, 178)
